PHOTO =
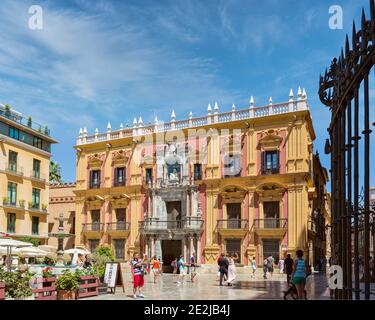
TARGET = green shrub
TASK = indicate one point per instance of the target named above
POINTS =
(102, 255)
(68, 281)
(34, 242)
(17, 284)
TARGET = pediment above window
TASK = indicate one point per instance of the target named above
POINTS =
(95, 160)
(120, 157)
(270, 140)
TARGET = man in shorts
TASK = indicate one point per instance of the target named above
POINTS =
(138, 275)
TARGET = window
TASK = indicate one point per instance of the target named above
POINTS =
(232, 166)
(174, 171)
(234, 215)
(35, 225)
(73, 228)
(120, 249)
(271, 210)
(271, 247)
(95, 219)
(36, 198)
(93, 244)
(12, 193)
(197, 171)
(270, 162)
(12, 159)
(119, 177)
(120, 218)
(11, 223)
(94, 179)
(36, 168)
(233, 247)
(14, 133)
(149, 175)
(37, 142)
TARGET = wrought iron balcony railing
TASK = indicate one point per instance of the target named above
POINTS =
(188, 223)
(119, 182)
(118, 226)
(36, 175)
(271, 223)
(14, 169)
(233, 224)
(96, 226)
(266, 171)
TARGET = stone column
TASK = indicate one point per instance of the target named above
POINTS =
(191, 245)
(152, 246)
(188, 212)
(146, 246)
(149, 206)
(198, 250)
(185, 248)
(193, 210)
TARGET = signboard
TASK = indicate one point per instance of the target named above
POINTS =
(113, 276)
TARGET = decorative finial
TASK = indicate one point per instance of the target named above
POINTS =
(96, 131)
(109, 127)
(251, 101)
(270, 100)
(209, 109)
(173, 115)
(121, 126)
(190, 115)
(299, 92)
(216, 108)
(304, 93)
(291, 95)
(233, 107)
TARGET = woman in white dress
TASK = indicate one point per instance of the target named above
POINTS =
(232, 269)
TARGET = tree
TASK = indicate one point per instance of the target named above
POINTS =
(54, 172)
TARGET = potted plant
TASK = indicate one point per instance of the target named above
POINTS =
(30, 204)
(44, 207)
(2, 283)
(66, 285)
(101, 256)
(5, 200)
(7, 110)
(21, 203)
(46, 131)
(47, 273)
(29, 121)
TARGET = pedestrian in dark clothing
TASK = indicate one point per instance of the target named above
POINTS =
(223, 263)
(288, 265)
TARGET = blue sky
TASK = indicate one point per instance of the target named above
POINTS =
(100, 61)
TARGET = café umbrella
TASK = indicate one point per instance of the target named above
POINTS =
(10, 244)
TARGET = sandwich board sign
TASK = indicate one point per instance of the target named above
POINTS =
(113, 276)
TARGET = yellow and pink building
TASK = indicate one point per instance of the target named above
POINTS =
(239, 182)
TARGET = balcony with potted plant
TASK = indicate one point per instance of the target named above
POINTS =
(7, 203)
(37, 208)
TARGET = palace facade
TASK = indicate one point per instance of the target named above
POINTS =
(25, 151)
(239, 182)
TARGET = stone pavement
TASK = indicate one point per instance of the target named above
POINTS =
(206, 287)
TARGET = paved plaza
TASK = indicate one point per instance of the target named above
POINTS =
(206, 287)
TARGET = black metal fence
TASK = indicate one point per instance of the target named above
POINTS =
(344, 88)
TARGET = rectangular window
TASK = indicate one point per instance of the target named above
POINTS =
(234, 215)
(232, 166)
(36, 168)
(271, 210)
(35, 225)
(120, 249)
(12, 193)
(36, 198)
(93, 243)
(95, 179)
(149, 175)
(12, 160)
(120, 219)
(233, 247)
(37, 142)
(271, 247)
(14, 133)
(11, 223)
(119, 176)
(95, 219)
(270, 162)
(197, 171)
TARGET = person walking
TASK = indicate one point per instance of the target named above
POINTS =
(271, 262)
(253, 267)
(155, 267)
(265, 268)
(324, 264)
(299, 274)
(223, 267)
(138, 275)
(231, 269)
(174, 266)
(161, 266)
(288, 264)
(193, 266)
(181, 269)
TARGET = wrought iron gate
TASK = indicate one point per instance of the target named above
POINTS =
(349, 145)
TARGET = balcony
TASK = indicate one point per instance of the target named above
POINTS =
(93, 230)
(118, 229)
(269, 171)
(270, 227)
(37, 176)
(13, 205)
(14, 169)
(232, 227)
(120, 182)
(186, 225)
(36, 208)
